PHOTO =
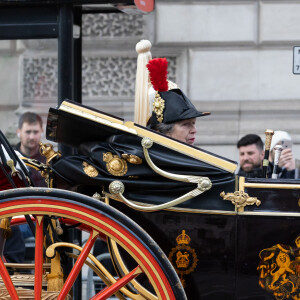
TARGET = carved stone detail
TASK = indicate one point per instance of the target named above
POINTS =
(39, 79)
(108, 76)
(113, 76)
(112, 25)
(102, 77)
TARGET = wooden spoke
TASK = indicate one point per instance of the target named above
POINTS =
(109, 291)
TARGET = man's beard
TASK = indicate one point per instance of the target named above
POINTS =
(253, 166)
(31, 146)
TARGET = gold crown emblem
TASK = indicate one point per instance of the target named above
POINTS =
(183, 239)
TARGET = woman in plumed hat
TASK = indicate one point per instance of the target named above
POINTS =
(171, 112)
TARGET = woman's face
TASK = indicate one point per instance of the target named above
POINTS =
(184, 131)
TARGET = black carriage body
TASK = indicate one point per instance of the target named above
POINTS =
(229, 245)
(219, 249)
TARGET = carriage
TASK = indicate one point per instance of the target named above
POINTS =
(177, 221)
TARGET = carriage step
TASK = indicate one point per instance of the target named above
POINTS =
(24, 280)
(29, 294)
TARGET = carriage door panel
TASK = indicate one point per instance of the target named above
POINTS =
(268, 242)
(200, 246)
(267, 261)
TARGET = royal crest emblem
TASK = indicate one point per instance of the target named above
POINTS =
(115, 165)
(89, 169)
(183, 257)
(279, 270)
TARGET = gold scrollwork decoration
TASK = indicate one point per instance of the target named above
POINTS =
(279, 270)
(183, 257)
(115, 165)
(240, 199)
(89, 169)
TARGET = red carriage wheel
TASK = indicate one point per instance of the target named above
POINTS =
(99, 219)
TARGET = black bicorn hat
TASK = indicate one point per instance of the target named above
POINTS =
(170, 105)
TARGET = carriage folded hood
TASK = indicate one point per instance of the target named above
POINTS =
(73, 124)
(109, 149)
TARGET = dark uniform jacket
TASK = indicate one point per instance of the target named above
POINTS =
(258, 173)
(35, 175)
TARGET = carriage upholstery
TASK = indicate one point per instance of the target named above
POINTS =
(101, 139)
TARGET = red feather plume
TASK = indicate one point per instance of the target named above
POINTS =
(158, 71)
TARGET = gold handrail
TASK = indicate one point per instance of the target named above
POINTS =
(117, 188)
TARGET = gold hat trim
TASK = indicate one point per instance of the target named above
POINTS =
(158, 107)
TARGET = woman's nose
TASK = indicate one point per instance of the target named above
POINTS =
(194, 129)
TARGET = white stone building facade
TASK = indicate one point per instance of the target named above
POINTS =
(233, 58)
